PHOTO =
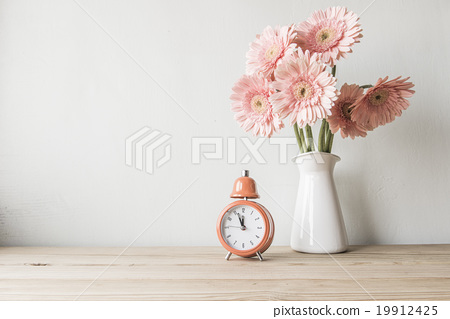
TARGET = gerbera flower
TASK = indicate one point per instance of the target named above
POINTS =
(340, 117)
(305, 90)
(252, 106)
(269, 48)
(330, 33)
(383, 102)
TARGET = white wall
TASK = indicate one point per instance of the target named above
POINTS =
(73, 89)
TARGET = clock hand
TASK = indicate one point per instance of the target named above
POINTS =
(240, 227)
(241, 221)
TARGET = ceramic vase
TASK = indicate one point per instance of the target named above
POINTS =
(318, 225)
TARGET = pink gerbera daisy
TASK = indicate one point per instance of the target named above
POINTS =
(269, 49)
(340, 117)
(252, 106)
(305, 90)
(330, 33)
(383, 102)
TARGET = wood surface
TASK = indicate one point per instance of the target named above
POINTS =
(400, 272)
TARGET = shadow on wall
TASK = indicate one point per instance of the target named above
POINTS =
(358, 215)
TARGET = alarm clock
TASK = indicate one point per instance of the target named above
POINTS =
(245, 228)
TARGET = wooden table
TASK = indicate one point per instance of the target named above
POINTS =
(406, 272)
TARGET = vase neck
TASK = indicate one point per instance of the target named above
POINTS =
(316, 162)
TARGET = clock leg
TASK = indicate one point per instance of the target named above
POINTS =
(260, 257)
(227, 257)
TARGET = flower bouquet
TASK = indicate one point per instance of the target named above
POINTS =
(291, 73)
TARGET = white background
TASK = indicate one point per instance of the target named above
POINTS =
(77, 80)
(204, 309)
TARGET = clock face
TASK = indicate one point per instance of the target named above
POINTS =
(243, 227)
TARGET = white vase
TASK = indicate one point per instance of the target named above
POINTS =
(318, 225)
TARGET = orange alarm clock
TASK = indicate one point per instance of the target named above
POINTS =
(245, 228)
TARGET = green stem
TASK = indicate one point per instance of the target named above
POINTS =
(322, 135)
(309, 138)
(367, 86)
(328, 139)
(328, 136)
(302, 137)
(297, 135)
(330, 143)
(326, 130)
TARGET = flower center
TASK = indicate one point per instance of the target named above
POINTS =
(302, 90)
(325, 36)
(379, 97)
(272, 52)
(259, 104)
(347, 110)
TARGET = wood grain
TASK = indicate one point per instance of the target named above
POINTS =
(401, 272)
